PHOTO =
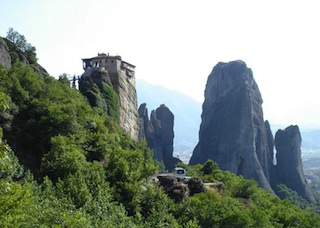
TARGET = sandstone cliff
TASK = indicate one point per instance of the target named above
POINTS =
(233, 133)
(289, 170)
(158, 131)
(128, 102)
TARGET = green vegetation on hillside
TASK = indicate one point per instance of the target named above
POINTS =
(64, 163)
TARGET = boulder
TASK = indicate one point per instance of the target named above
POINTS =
(174, 187)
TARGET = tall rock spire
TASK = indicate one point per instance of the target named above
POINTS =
(233, 131)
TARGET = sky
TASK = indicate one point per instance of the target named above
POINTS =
(176, 43)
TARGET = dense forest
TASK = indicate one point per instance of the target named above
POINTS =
(64, 163)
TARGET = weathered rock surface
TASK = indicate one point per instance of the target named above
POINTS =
(233, 133)
(158, 131)
(289, 170)
(5, 59)
(232, 130)
(127, 93)
(98, 85)
(93, 84)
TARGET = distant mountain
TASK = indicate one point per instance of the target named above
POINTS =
(187, 115)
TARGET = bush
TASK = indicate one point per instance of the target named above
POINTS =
(209, 166)
(195, 185)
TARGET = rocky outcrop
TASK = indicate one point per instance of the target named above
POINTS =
(158, 131)
(174, 187)
(9, 54)
(233, 133)
(232, 130)
(113, 93)
(5, 59)
(289, 170)
(97, 87)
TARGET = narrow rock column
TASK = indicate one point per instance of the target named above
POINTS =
(289, 170)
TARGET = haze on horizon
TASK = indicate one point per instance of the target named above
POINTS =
(177, 43)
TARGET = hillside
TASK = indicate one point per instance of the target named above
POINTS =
(64, 163)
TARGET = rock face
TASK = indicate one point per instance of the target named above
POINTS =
(289, 164)
(96, 86)
(232, 130)
(5, 59)
(126, 90)
(158, 131)
(145, 127)
(233, 133)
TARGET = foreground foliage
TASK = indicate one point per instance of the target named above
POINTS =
(85, 172)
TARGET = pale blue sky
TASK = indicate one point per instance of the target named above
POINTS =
(176, 43)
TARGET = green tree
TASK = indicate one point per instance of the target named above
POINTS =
(17, 39)
(21, 43)
(195, 185)
(64, 79)
(209, 166)
(9, 163)
(64, 158)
